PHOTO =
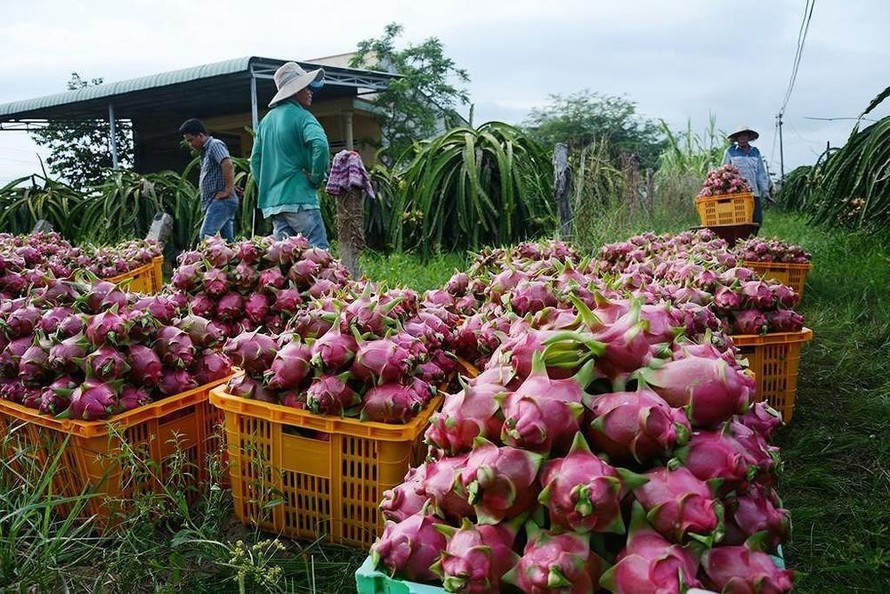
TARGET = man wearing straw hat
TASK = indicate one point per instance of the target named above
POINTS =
(747, 160)
(291, 157)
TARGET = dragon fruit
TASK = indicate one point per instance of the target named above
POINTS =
(12, 353)
(717, 455)
(106, 327)
(406, 498)
(93, 400)
(544, 414)
(749, 321)
(558, 563)
(287, 300)
(784, 320)
(176, 381)
(383, 360)
(244, 277)
(410, 547)
(146, 368)
(106, 363)
(230, 307)
(202, 305)
(743, 569)
(175, 347)
(56, 397)
(21, 321)
(210, 366)
(331, 394)
(711, 388)
(762, 419)
(204, 333)
(334, 350)
(390, 403)
(499, 482)
(439, 482)
(245, 386)
(271, 279)
(582, 492)
(469, 414)
(635, 425)
(186, 277)
(476, 557)
(133, 397)
(678, 504)
(256, 307)
(757, 511)
(649, 559)
(53, 318)
(251, 351)
(215, 282)
(34, 365)
(289, 367)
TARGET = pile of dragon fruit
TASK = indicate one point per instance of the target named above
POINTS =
(88, 350)
(696, 267)
(602, 447)
(725, 179)
(32, 261)
(255, 283)
(757, 249)
(363, 352)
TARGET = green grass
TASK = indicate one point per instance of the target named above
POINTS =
(836, 452)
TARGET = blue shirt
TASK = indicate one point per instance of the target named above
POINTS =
(751, 166)
(212, 181)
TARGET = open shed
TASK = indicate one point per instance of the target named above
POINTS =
(230, 97)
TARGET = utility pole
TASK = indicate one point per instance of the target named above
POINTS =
(781, 150)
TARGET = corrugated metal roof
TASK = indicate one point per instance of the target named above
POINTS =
(140, 93)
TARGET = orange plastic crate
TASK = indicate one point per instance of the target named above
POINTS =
(146, 279)
(774, 358)
(125, 455)
(788, 273)
(725, 209)
(305, 475)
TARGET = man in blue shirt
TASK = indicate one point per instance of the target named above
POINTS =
(218, 199)
(747, 160)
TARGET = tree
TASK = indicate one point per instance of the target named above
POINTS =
(584, 117)
(79, 150)
(423, 101)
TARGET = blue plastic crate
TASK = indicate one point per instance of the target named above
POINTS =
(370, 581)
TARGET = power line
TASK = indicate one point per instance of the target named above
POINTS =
(798, 54)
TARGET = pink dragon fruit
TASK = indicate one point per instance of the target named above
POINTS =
(176, 381)
(471, 413)
(162, 307)
(717, 455)
(56, 397)
(106, 363)
(439, 482)
(215, 282)
(762, 419)
(499, 482)
(743, 569)
(65, 356)
(12, 354)
(749, 321)
(331, 394)
(679, 505)
(133, 397)
(712, 389)
(289, 367)
(287, 300)
(406, 498)
(649, 559)
(390, 403)
(409, 548)
(202, 305)
(334, 350)
(476, 557)
(204, 333)
(544, 414)
(53, 318)
(256, 307)
(34, 365)
(635, 425)
(757, 511)
(230, 307)
(271, 279)
(252, 352)
(21, 321)
(582, 492)
(175, 347)
(217, 252)
(784, 320)
(106, 327)
(93, 400)
(245, 386)
(146, 368)
(210, 366)
(186, 277)
(557, 563)
(383, 360)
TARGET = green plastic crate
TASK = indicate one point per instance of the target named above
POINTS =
(370, 581)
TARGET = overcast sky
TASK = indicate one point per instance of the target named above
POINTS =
(679, 60)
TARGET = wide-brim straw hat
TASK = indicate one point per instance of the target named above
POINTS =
(752, 135)
(290, 79)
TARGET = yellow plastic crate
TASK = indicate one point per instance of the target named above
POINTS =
(725, 209)
(774, 358)
(305, 475)
(147, 279)
(788, 273)
(122, 456)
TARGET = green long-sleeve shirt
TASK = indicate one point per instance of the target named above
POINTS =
(290, 158)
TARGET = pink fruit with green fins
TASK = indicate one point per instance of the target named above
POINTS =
(331, 394)
(635, 425)
(650, 563)
(409, 548)
(582, 492)
(544, 414)
(175, 347)
(391, 402)
(744, 570)
(290, 366)
(440, 476)
(499, 482)
(93, 400)
(556, 563)
(679, 505)
(407, 498)
(145, 365)
(471, 413)
(716, 455)
(251, 351)
(477, 557)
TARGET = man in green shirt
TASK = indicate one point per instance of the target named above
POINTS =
(291, 158)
